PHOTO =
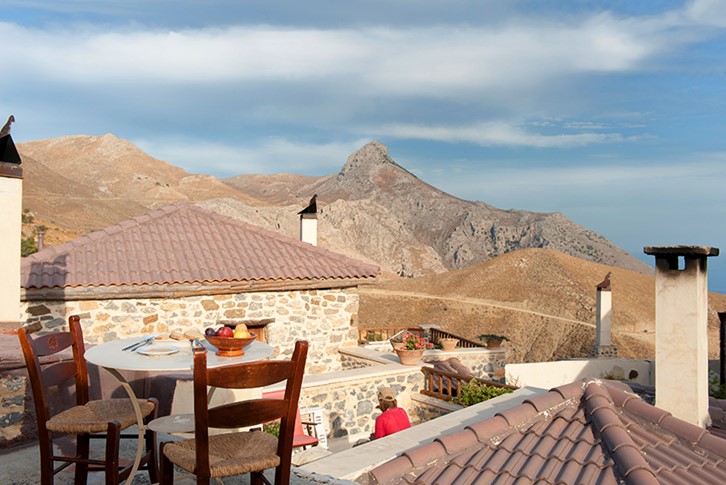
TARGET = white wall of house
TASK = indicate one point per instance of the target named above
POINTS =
(11, 199)
(327, 318)
(546, 375)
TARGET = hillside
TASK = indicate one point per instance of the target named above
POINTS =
(373, 209)
(85, 183)
(542, 299)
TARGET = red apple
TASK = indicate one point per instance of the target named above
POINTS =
(225, 332)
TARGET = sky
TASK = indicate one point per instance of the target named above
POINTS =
(612, 113)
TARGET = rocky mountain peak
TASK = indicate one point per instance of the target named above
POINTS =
(373, 154)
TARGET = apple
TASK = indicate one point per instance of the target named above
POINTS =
(224, 332)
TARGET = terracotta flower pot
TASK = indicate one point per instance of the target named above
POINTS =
(410, 357)
(396, 345)
(448, 344)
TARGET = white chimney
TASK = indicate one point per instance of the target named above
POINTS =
(309, 222)
(604, 321)
(681, 324)
(11, 201)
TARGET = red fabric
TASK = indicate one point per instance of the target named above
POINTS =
(391, 421)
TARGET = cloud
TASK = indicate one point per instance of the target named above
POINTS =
(270, 155)
(439, 61)
(497, 134)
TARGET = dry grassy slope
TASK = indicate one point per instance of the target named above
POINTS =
(529, 295)
(277, 189)
(88, 182)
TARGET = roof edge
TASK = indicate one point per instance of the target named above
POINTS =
(182, 290)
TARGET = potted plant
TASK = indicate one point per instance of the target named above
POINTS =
(448, 343)
(411, 352)
(493, 341)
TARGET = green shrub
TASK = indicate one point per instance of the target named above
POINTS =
(28, 246)
(272, 428)
(473, 393)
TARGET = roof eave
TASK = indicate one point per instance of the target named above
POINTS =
(182, 290)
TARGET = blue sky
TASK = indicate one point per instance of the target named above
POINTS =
(613, 113)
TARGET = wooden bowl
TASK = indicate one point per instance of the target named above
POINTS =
(230, 346)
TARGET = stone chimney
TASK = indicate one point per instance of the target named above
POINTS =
(604, 347)
(309, 222)
(41, 238)
(681, 324)
(11, 198)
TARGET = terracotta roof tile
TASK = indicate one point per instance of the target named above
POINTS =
(456, 442)
(182, 244)
(603, 435)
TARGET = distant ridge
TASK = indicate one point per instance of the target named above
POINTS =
(420, 229)
(373, 209)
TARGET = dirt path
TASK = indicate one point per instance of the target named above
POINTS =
(467, 300)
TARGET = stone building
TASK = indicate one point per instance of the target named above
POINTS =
(182, 267)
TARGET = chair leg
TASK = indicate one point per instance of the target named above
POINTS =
(256, 478)
(166, 468)
(82, 450)
(46, 459)
(113, 439)
(151, 449)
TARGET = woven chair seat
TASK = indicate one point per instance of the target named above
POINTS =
(229, 454)
(94, 416)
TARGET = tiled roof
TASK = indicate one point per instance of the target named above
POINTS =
(587, 432)
(182, 244)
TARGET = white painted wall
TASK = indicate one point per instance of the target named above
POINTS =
(309, 228)
(681, 339)
(546, 375)
(604, 318)
(11, 199)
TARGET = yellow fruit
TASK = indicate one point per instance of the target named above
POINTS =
(241, 334)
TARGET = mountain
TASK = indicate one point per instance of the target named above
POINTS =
(373, 209)
(376, 208)
(541, 299)
(85, 183)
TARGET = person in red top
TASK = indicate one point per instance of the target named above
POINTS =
(393, 418)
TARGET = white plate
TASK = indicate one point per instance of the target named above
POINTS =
(155, 349)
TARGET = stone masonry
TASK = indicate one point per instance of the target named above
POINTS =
(325, 318)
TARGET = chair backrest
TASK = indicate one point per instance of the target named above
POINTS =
(56, 373)
(250, 412)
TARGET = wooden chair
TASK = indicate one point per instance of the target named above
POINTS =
(237, 453)
(87, 418)
(300, 438)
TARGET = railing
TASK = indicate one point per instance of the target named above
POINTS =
(437, 334)
(379, 334)
(444, 385)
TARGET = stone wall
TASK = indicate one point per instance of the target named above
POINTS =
(325, 318)
(349, 402)
(12, 408)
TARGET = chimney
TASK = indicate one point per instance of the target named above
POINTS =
(41, 238)
(681, 324)
(309, 222)
(604, 347)
(11, 197)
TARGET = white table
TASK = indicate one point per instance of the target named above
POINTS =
(110, 356)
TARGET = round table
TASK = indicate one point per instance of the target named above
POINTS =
(112, 357)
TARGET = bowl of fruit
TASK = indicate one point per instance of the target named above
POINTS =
(229, 342)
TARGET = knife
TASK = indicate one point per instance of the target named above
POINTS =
(140, 343)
